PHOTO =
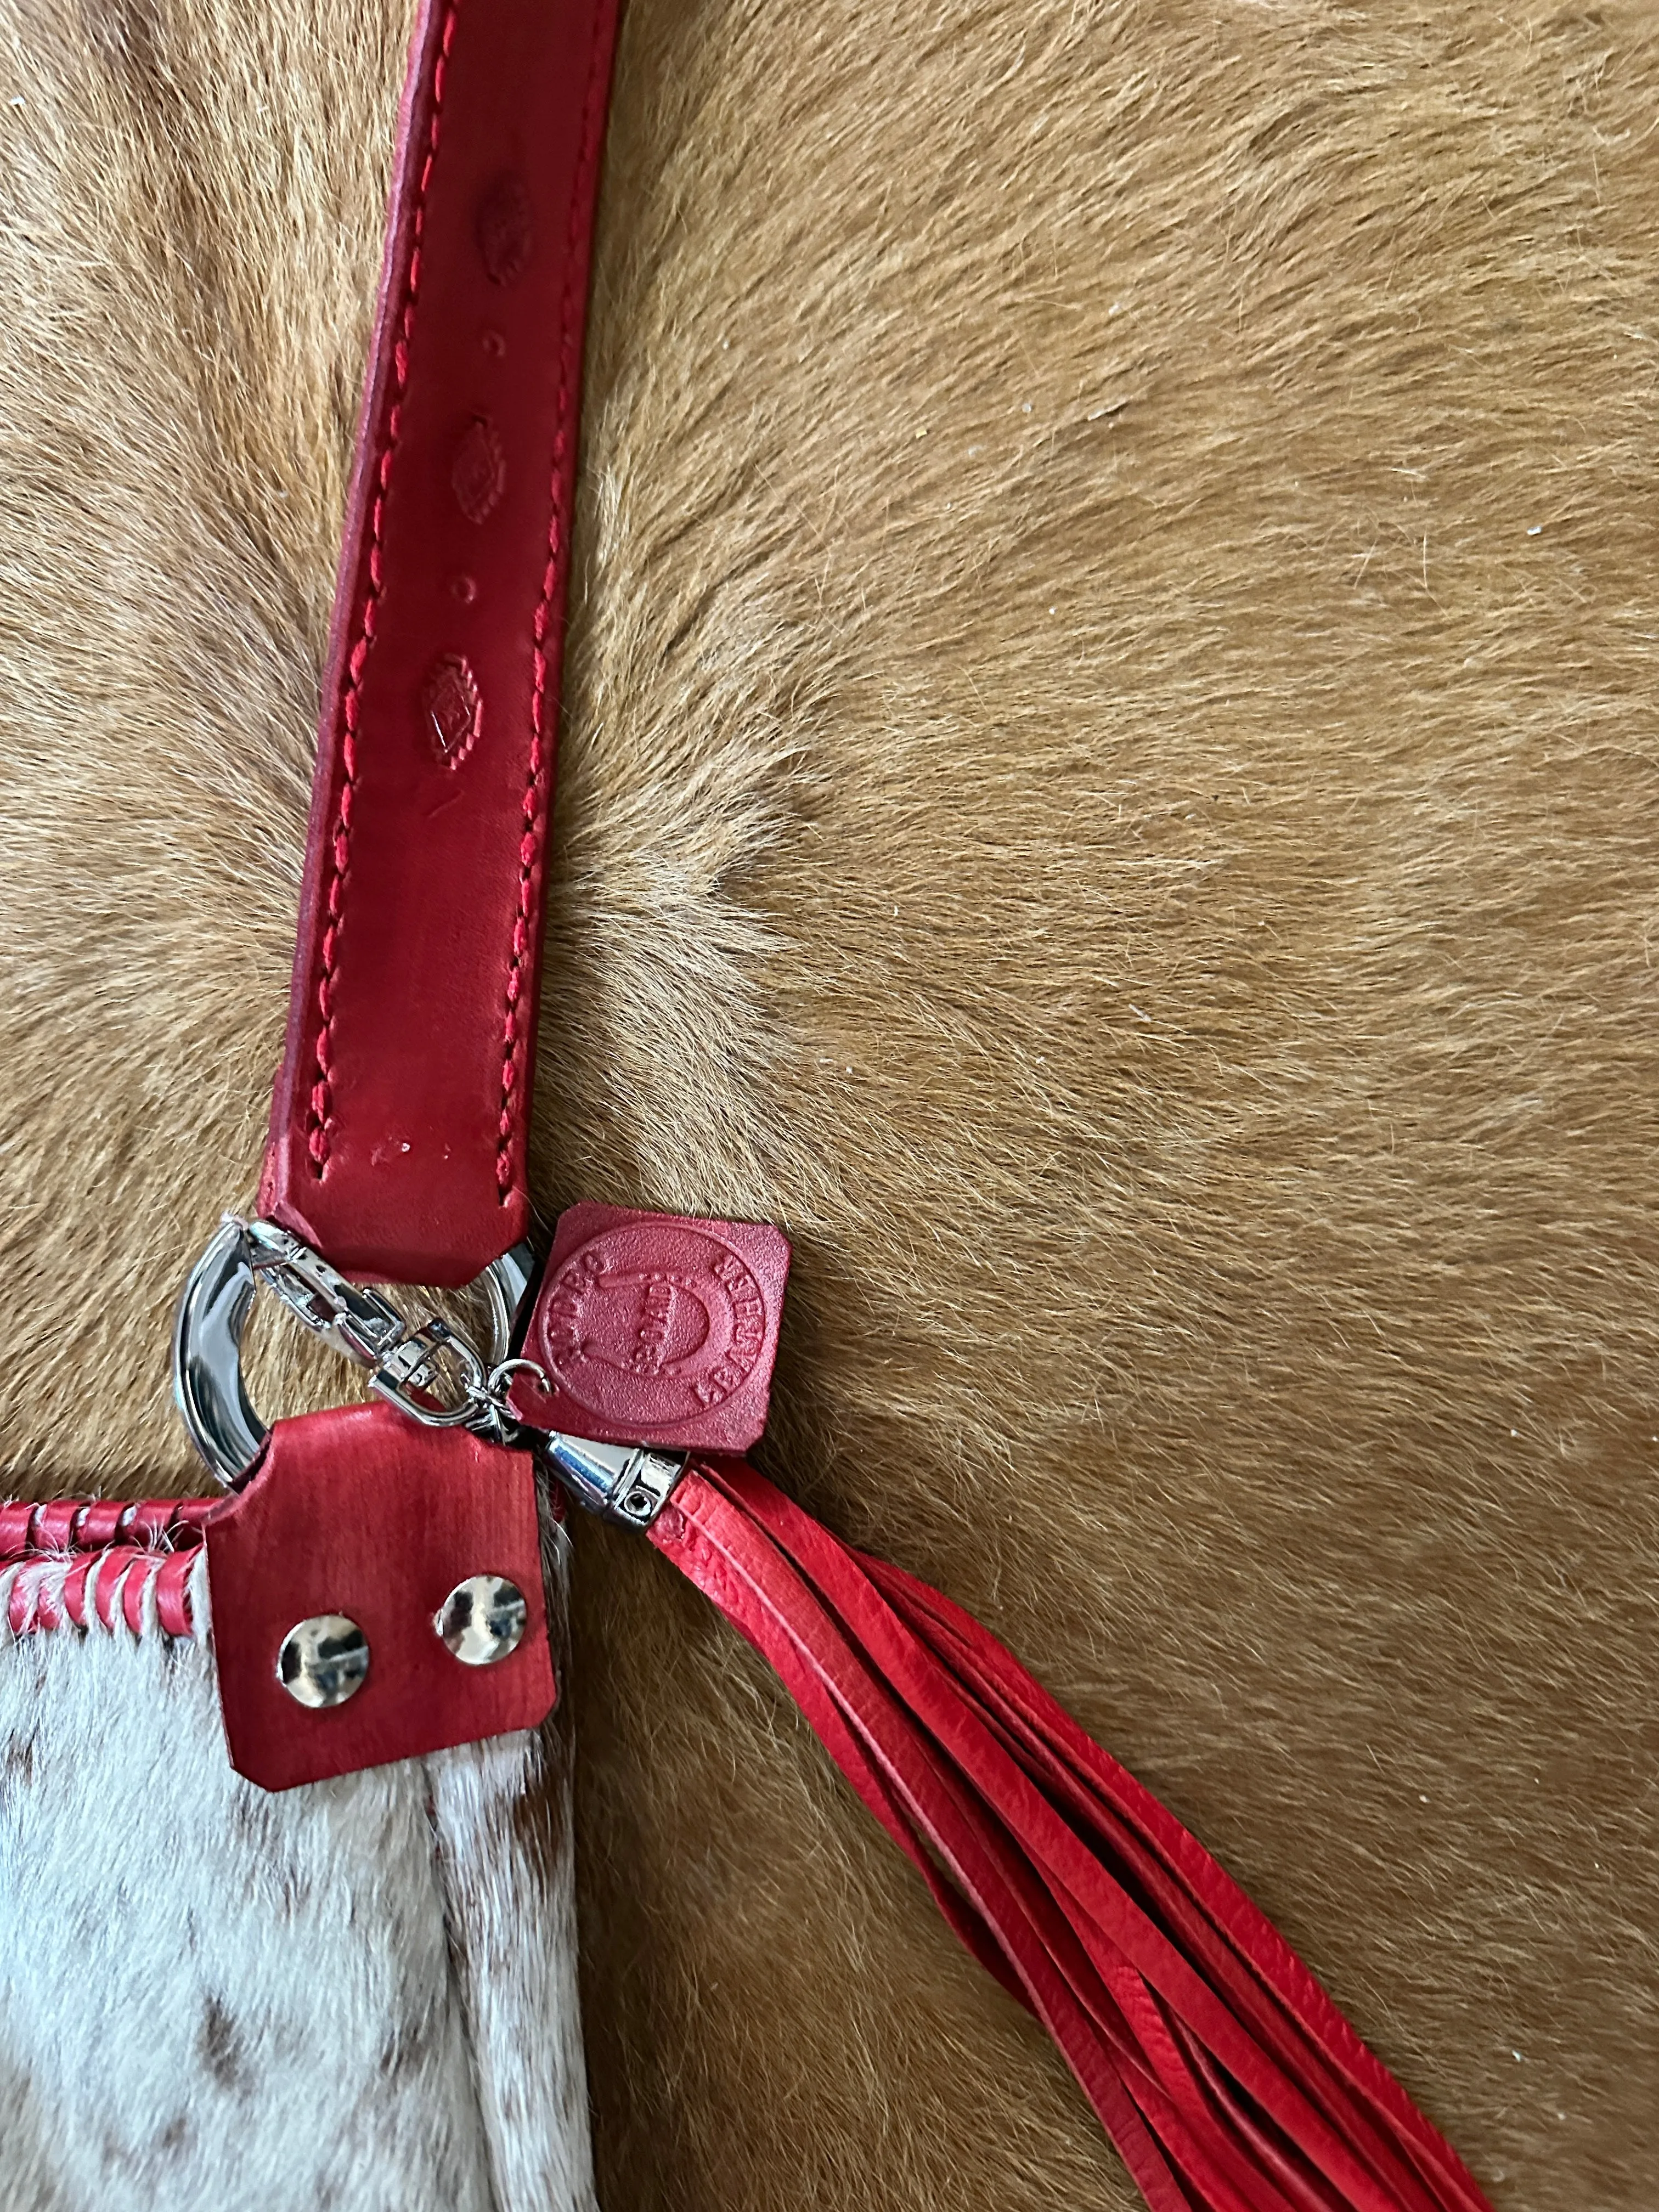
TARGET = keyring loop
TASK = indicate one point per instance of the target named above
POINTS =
(218, 1296)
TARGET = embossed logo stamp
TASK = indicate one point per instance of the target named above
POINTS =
(454, 710)
(477, 474)
(654, 1328)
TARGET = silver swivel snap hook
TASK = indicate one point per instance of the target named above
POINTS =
(426, 1369)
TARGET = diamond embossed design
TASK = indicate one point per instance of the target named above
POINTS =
(477, 476)
(453, 709)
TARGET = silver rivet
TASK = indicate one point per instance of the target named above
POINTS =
(483, 1619)
(323, 1662)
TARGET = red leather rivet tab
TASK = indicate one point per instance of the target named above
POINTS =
(361, 1512)
(656, 1329)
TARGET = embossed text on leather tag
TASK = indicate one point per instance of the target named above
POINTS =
(656, 1329)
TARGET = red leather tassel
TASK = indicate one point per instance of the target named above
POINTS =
(1219, 2068)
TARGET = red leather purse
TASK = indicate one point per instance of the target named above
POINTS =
(632, 1367)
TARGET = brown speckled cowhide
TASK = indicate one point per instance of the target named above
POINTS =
(1111, 784)
(358, 1996)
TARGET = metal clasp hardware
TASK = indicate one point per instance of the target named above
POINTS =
(627, 1483)
(404, 1359)
(428, 1370)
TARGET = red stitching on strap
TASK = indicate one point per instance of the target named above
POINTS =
(134, 1584)
(75, 1587)
(49, 1606)
(106, 1582)
(351, 698)
(54, 1526)
(529, 844)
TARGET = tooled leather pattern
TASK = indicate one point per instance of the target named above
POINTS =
(399, 1124)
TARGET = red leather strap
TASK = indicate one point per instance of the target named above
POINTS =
(398, 1126)
(1218, 2065)
(1221, 2069)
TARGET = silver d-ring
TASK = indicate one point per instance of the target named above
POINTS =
(207, 1344)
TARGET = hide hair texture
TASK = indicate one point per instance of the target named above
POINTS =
(1107, 784)
(358, 1994)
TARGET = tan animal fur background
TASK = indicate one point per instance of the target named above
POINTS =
(1109, 785)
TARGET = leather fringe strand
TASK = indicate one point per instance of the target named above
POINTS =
(1218, 2066)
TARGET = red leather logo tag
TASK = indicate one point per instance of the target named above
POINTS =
(654, 1328)
(361, 1514)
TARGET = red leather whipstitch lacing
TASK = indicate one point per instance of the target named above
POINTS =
(86, 1563)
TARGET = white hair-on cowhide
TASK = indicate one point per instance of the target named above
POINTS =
(358, 1995)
